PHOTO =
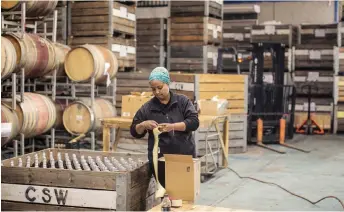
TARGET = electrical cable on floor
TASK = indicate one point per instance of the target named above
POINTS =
(269, 183)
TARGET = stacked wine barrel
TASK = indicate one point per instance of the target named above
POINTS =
(36, 115)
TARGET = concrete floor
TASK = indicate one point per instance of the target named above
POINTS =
(313, 176)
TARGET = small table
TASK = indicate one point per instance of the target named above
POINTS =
(115, 122)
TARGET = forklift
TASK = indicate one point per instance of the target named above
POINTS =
(271, 103)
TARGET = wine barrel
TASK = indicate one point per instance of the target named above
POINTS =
(60, 106)
(79, 118)
(34, 8)
(38, 113)
(9, 116)
(94, 61)
(8, 58)
(34, 53)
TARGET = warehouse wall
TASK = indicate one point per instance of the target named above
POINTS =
(317, 12)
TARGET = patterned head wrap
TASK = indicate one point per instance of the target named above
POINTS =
(161, 74)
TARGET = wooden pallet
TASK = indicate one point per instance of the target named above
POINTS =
(314, 34)
(192, 59)
(285, 33)
(212, 8)
(63, 189)
(194, 31)
(124, 49)
(100, 18)
(151, 43)
(306, 57)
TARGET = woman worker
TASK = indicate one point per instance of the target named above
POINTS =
(175, 111)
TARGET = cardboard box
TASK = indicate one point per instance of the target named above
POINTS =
(182, 176)
(132, 103)
(213, 107)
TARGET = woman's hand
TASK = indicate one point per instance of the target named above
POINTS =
(149, 124)
(166, 127)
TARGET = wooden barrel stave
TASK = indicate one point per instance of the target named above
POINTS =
(9, 116)
(92, 59)
(34, 8)
(8, 58)
(79, 118)
(60, 106)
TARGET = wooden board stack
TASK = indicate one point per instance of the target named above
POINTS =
(120, 181)
(314, 59)
(237, 22)
(151, 35)
(194, 35)
(108, 23)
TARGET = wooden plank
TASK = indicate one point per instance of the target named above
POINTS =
(225, 78)
(221, 87)
(222, 95)
(59, 196)
(20, 206)
(59, 178)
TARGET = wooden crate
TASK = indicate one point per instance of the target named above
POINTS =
(123, 48)
(212, 8)
(237, 36)
(340, 32)
(31, 188)
(151, 43)
(338, 118)
(338, 89)
(193, 59)
(284, 33)
(194, 30)
(338, 60)
(130, 82)
(314, 34)
(324, 82)
(101, 18)
(234, 88)
(313, 58)
(323, 119)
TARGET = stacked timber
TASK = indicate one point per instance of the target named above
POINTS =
(195, 34)
(110, 24)
(313, 66)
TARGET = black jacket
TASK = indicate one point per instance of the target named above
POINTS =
(179, 109)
